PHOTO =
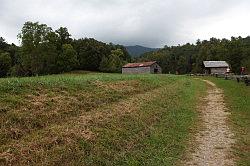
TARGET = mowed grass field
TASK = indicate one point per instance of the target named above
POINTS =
(97, 119)
(237, 98)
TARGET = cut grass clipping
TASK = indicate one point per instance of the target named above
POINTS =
(96, 119)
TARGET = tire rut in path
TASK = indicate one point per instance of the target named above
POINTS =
(215, 140)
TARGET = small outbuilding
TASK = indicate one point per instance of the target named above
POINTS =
(142, 68)
(215, 67)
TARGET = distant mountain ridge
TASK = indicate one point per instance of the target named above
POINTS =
(136, 51)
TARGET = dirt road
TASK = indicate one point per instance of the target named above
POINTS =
(213, 143)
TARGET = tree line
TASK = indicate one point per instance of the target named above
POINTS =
(44, 51)
(189, 58)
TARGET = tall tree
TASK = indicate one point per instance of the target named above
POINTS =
(33, 36)
(63, 37)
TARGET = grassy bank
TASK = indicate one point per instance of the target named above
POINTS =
(237, 97)
(96, 119)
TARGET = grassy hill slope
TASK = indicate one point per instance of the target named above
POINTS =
(96, 119)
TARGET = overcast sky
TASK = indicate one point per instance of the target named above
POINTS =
(152, 23)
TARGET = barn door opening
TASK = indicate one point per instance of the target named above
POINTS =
(155, 71)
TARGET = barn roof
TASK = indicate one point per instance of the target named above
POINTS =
(141, 64)
(215, 64)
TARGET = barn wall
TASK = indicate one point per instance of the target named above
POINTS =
(219, 70)
(136, 70)
(155, 66)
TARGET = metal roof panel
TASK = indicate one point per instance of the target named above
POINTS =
(141, 64)
(215, 64)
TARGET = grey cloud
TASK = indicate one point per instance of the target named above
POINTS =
(146, 22)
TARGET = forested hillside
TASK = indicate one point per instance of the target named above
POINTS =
(188, 58)
(136, 51)
(44, 51)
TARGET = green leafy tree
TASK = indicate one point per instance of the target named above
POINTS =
(125, 56)
(33, 36)
(13, 51)
(3, 45)
(104, 65)
(113, 63)
(5, 63)
(246, 64)
(90, 53)
(67, 60)
(50, 53)
(63, 36)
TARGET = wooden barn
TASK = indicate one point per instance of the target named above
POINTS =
(142, 68)
(215, 67)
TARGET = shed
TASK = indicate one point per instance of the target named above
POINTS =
(142, 68)
(215, 67)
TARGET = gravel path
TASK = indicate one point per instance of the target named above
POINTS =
(215, 140)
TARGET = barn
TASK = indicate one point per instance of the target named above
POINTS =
(142, 68)
(215, 67)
